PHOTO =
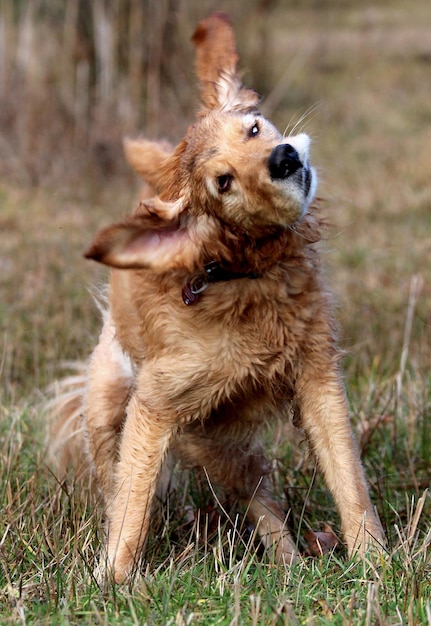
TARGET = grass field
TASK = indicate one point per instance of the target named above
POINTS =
(356, 77)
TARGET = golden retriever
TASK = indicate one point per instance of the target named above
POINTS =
(218, 323)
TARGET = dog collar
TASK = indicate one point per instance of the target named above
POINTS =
(212, 273)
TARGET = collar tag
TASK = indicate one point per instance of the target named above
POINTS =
(193, 288)
(213, 273)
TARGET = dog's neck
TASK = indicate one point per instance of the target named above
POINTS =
(213, 272)
(243, 256)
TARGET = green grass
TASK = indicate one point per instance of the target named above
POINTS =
(362, 70)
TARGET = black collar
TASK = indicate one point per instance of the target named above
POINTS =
(211, 273)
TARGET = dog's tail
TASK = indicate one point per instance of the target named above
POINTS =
(66, 445)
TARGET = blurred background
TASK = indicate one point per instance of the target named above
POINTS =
(78, 75)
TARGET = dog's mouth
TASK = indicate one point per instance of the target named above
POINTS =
(307, 178)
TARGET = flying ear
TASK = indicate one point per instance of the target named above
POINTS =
(216, 66)
(141, 242)
(146, 241)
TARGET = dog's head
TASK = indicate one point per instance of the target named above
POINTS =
(233, 170)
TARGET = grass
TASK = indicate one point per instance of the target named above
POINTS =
(49, 543)
(360, 70)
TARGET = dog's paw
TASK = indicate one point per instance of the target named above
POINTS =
(284, 550)
(100, 573)
(108, 573)
(370, 545)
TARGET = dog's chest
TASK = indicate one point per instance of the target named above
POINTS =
(242, 324)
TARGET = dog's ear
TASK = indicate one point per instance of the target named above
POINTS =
(147, 240)
(155, 207)
(216, 66)
(147, 158)
(158, 163)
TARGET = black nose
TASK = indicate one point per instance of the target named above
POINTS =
(283, 161)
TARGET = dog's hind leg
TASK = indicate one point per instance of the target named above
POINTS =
(270, 522)
(250, 481)
(242, 471)
(110, 381)
(66, 449)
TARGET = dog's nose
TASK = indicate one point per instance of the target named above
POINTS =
(283, 161)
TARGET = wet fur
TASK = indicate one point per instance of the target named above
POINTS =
(201, 381)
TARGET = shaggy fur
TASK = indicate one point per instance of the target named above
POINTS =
(200, 381)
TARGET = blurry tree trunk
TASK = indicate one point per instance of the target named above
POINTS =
(261, 44)
(157, 14)
(136, 61)
(104, 46)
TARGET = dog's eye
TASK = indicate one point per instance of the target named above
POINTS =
(224, 182)
(254, 130)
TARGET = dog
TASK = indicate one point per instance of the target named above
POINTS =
(218, 323)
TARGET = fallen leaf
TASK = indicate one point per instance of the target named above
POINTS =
(321, 542)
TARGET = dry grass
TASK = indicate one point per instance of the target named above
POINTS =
(355, 77)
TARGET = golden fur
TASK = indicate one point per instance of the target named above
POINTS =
(200, 381)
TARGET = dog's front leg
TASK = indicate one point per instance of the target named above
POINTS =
(145, 440)
(325, 419)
